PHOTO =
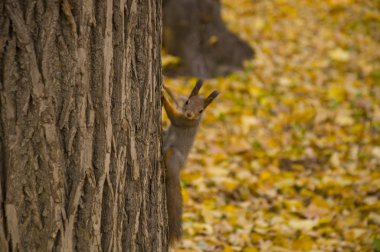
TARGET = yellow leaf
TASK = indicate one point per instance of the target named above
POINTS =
(339, 2)
(217, 171)
(230, 184)
(250, 249)
(303, 113)
(304, 243)
(258, 24)
(201, 228)
(375, 218)
(340, 55)
(285, 82)
(303, 224)
(336, 93)
(254, 90)
(353, 234)
(265, 175)
(293, 205)
(229, 209)
(255, 237)
(213, 40)
(320, 202)
(335, 160)
(324, 220)
(376, 114)
(228, 249)
(376, 152)
(344, 118)
(261, 223)
(185, 195)
(247, 122)
(170, 60)
(322, 115)
(238, 146)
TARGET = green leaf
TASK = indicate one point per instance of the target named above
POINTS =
(376, 244)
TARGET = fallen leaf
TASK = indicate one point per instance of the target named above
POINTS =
(340, 55)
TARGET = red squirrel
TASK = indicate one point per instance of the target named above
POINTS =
(177, 142)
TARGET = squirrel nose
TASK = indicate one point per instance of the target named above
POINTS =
(189, 114)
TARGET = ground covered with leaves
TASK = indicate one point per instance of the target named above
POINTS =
(288, 157)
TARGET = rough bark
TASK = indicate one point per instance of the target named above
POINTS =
(80, 128)
(195, 31)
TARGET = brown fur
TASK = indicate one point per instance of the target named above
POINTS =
(178, 140)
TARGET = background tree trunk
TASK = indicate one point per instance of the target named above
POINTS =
(80, 129)
(194, 31)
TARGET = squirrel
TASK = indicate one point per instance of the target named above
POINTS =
(177, 142)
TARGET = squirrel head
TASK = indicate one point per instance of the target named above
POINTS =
(195, 105)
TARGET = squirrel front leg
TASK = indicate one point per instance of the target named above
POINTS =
(173, 194)
(172, 112)
(171, 95)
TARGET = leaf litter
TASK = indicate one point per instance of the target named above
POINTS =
(288, 157)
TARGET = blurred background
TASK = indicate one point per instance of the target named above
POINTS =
(288, 157)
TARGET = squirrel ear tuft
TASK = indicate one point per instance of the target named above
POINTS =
(211, 97)
(197, 87)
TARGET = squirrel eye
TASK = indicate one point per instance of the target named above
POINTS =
(187, 102)
(200, 111)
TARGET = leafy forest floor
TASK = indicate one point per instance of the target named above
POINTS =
(288, 157)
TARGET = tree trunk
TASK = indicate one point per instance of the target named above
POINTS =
(80, 129)
(194, 31)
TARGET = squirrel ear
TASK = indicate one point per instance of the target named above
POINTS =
(196, 89)
(211, 97)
